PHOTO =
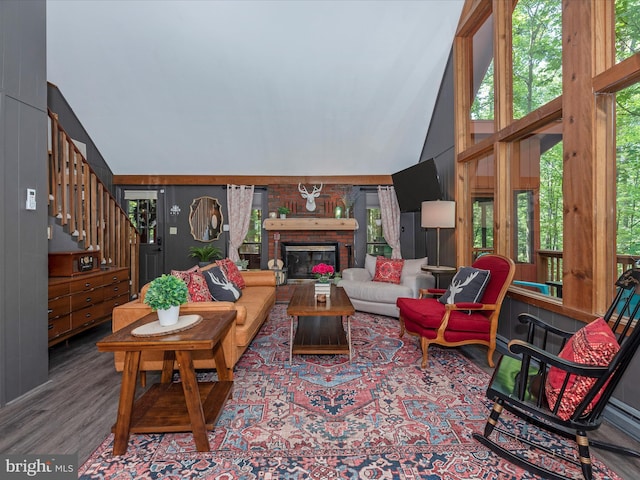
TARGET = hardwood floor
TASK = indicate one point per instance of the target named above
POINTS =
(74, 411)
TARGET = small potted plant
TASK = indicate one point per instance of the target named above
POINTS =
(284, 211)
(206, 254)
(165, 295)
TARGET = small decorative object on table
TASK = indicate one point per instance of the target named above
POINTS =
(164, 293)
(323, 273)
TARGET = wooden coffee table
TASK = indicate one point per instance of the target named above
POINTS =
(320, 326)
(171, 407)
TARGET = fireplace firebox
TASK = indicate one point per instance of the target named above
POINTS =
(301, 257)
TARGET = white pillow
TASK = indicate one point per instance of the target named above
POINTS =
(412, 266)
(370, 264)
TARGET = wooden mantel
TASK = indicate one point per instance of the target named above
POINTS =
(310, 224)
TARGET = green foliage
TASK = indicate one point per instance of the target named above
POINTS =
(207, 253)
(537, 54)
(166, 291)
(284, 210)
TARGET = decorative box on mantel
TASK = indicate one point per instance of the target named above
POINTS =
(323, 289)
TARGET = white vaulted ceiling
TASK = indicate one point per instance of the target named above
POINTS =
(252, 87)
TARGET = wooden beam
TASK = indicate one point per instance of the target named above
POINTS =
(578, 178)
(250, 179)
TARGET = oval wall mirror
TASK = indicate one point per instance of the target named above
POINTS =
(205, 219)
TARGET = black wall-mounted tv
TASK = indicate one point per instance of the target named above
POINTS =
(416, 184)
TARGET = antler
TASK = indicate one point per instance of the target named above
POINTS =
(316, 190)
(303, 190)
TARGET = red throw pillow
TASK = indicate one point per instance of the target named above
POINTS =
(196, 284)
(231, 271)
(388, 270)
(594, 344)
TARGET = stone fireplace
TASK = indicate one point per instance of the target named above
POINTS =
(300, 257)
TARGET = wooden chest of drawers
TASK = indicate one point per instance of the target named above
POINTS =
(83, 301)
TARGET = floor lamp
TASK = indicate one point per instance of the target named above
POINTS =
(438, 214)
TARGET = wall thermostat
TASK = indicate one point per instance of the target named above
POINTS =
(31, 198)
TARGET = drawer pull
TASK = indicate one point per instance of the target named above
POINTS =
(50, 326)
(88, 299)
(50, 310)
(87, 315)
(87, 284)
(115, 289)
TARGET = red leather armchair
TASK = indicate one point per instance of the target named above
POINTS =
(458, 324)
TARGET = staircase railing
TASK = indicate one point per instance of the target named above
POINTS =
(85, 208)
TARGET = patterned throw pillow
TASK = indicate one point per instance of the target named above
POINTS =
(388, 270)
(594, 344)
(222, 290)
(231, 271)
(467, 286)
(196, 284)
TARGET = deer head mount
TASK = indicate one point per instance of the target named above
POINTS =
(310, 197)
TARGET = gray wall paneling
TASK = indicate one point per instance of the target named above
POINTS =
(23, 156)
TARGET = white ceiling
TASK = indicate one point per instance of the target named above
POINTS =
(252, 87)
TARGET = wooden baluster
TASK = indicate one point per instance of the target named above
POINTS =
(64, 184)
(101, 223)
(73, 191)
(94, 212)
(87, 203)
(112, 230)
(53, 170)
(79, 196)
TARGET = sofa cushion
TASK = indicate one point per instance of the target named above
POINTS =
(231, 271)
(412, 267)
(594, 344)
(196, 284)
(380, 292)
(222, 290)
(370, 264)
(467, 286)
(388, 270)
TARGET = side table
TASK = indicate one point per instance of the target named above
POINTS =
(437, 270)
(171, 407)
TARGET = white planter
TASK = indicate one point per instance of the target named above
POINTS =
(169, 316)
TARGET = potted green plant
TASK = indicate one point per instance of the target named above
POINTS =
(206, 254)
(165, 295)
(284, 211)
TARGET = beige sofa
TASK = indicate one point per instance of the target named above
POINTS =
(253, 308)
(378, 297)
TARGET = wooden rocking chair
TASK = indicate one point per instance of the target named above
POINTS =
(562, 396)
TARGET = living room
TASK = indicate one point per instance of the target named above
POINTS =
(589, 271)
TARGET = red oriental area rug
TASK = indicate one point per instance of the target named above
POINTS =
(321, 417)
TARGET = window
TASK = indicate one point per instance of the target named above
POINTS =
(627, 28)
(142, 211)
(251, 248)
(482, 226)
(376, 244)
(537, 54)
(482, 107)
(628, 175)
(481, 183)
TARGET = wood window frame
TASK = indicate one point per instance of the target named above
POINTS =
(590, 80)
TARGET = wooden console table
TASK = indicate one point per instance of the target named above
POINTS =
(166, 406)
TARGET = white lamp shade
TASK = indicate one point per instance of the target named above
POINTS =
(438, 214)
